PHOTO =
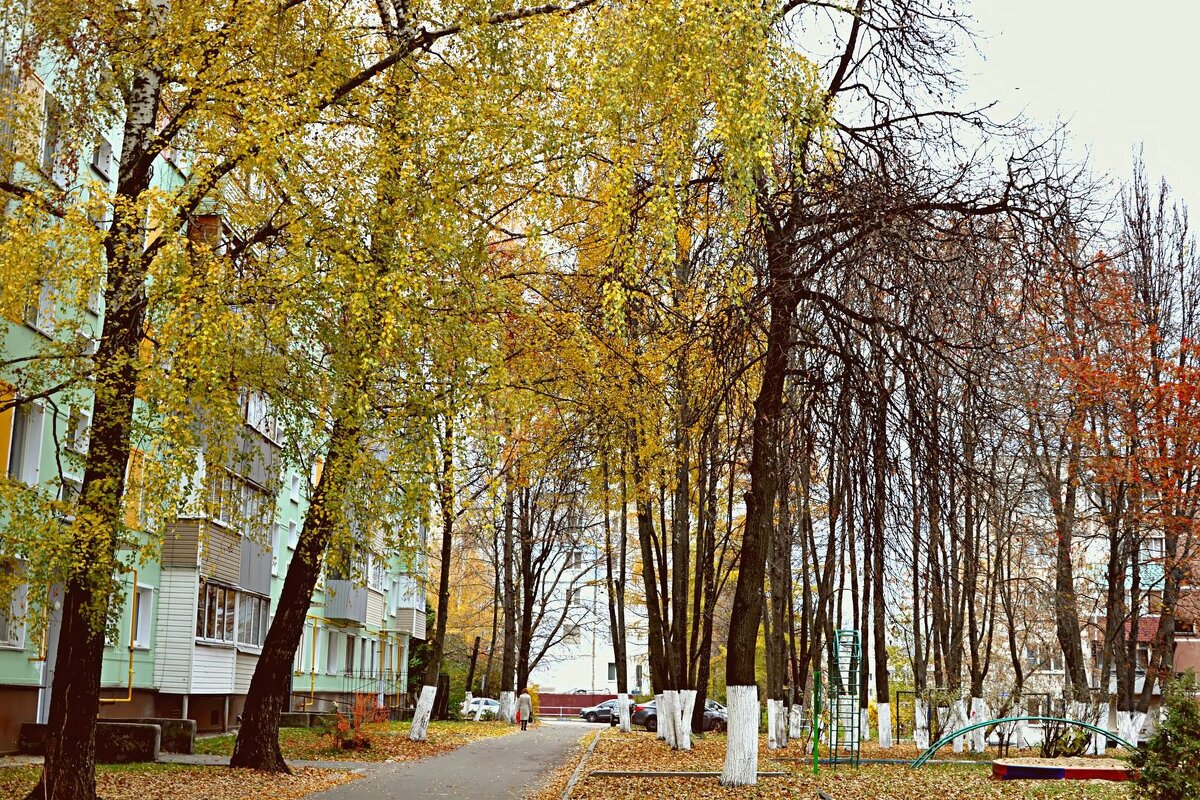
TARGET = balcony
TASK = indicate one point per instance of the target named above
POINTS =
(345, 601)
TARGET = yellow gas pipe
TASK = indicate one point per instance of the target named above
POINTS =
(128, 698)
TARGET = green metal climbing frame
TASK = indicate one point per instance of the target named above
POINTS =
(845, 718)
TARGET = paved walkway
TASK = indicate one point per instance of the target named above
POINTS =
(499, 768)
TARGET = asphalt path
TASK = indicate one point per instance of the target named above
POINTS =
(499, 768)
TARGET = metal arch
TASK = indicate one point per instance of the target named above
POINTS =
(950, 737)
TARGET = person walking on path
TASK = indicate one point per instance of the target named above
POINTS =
(524, 708)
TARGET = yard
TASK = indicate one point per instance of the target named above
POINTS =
(389, 741)
(185, 782)
(642, 752)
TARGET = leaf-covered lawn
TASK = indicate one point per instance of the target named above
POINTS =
(389, 741)
(185, 782)
(637, 752)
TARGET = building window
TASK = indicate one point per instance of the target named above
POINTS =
(102, 158)
(295, 488)
(1155, 547)
(376, 574)
(276, 547)
(349, 662)
(12, 616)
(79, 424)
(612, 670)
(241, 505)
(253, 619)
(25, 449)
(575, 559)
(260, 417)
(331, 654)
(215, 613)
(39, 308)
(143, 609)
(572, 634)
(293, 534)
(52, 140)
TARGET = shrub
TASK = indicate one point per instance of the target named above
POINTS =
(348, 732)
(1169, 764)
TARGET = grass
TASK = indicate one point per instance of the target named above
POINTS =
(965, 781)
(389, 741)
(185, 782)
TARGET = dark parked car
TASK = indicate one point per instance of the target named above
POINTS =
(604, 712)
(715, 717)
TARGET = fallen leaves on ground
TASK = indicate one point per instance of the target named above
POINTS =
(641, 752)
(187, 782)
(389, 741)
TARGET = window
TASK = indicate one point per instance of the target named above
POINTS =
(143, 609)
(1155, 547)
(239, 504)
(277, 545)
(215, 613)
(70, 490)
(572, 634)
(331, 654)
(612, 670)
(95, 295)
(53, 141)
(295, 488)
(253, 619)
(350, 653)
(102, 158)
(376, 574)
(25, 450)
(293, 534)
(260, 417)
(575, 559)
(39, 308)
(12, 618)
(79, 425)
(300, 663)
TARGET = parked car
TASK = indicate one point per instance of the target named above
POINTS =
(602, 712)
(715, 716)
(469, 709)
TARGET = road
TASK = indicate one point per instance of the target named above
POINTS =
(499, 768)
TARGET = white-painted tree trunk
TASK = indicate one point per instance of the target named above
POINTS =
(921, 724)
(1137, 722)
(687, 704)
(772, 726)
(781, 723)
(864, 724)
(623, 712)
(508, 707)
(420, 723)
(979, 713)
(668, 717)
(741, 749)
(658, 713)
(1100, 740)
(957, 719)
(816, 739)
(1020, 737)
(883, 713)
(796, 721)
(1126, 727)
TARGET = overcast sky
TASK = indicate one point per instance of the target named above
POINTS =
(1119, 73)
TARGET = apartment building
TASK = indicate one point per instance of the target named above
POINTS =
(193, 620)
(582, 656)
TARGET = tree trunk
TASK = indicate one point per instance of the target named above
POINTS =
(433, 666)
(257, 745)
(69, 770)
(508, 662)
(741, 755)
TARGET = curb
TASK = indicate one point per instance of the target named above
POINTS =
(566, 795)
